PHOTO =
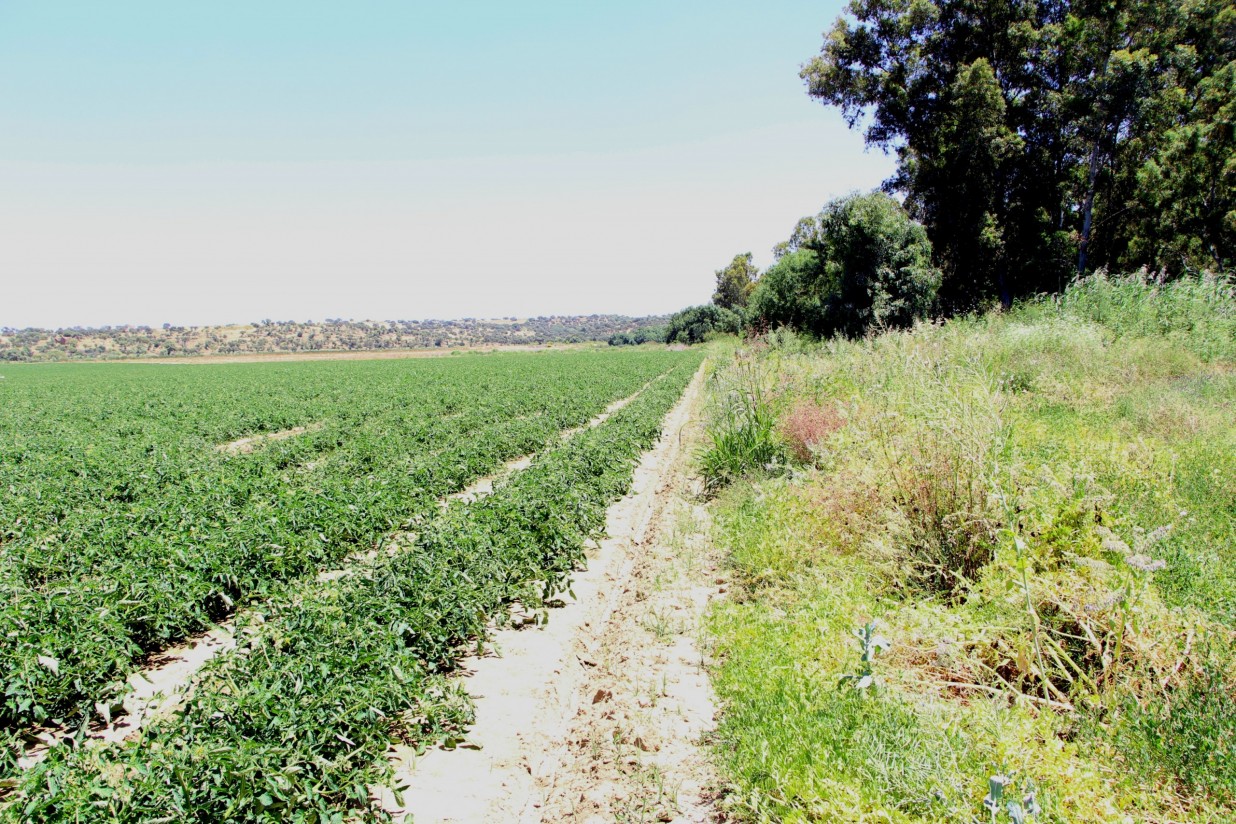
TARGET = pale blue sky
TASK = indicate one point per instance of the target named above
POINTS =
(228, 161)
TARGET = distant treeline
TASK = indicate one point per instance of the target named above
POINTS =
(1036, 142)
(331, 335)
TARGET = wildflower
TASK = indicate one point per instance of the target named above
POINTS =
(1112, 542)
(1145, 563)
(1092, 563)
(1116, 545)
(1157, 535)
(1105, 604)
(112, 774)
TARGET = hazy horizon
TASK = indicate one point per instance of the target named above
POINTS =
(333, 319)
(224, 164)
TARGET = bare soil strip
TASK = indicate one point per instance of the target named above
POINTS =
(159, 688)
(484, 486)
(599, 715)
(363, 354)
(243, 446)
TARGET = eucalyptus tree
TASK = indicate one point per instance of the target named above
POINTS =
(1039, 138)
(735, 282)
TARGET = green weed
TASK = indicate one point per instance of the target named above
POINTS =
(742, 426)
(1038, 508)
(1189, 738)
(871, 644)
(1197, 313)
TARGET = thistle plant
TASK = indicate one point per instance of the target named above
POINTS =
(997, 802)
(1139, 568)
(872, 643)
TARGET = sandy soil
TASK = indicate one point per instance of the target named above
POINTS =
(160, 686)
(243, 446)
(598, 716)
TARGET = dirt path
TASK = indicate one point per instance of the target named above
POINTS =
(597, 716)
(158, 688)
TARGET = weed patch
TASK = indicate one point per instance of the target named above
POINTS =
(1188, 738)
(742, 425)
(1028, 518)
(806, 426)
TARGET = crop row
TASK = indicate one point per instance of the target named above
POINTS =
(123, 537)
(295, 724)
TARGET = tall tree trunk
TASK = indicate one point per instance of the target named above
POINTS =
(1088, 209)
(1102, 112)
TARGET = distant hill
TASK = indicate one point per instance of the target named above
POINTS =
(331, 335)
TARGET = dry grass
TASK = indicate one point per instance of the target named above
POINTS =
(805, 427)
(1036, 510)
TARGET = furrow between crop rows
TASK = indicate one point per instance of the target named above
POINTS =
(243, 446)
(158, 689)
(532, 687)
(484, 486)
(114, 562)
(296, 722)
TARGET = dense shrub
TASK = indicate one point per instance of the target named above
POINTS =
(866, 267)
(647, 334)
(784, 296)
(697, 323)
(875, 265)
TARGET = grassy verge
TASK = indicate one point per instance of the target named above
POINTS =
(987, 569)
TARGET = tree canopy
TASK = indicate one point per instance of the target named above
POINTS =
(862, 263)
(696, 324)
(785, 295)
(1039, 138)
(735, 282)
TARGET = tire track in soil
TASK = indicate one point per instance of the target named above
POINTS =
(601, 714)
(158, 688)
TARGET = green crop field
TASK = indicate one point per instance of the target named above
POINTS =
(127, 524)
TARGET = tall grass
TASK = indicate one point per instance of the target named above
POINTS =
(742, 424)
(1195, 312)
(938, 434)
(998, 493)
